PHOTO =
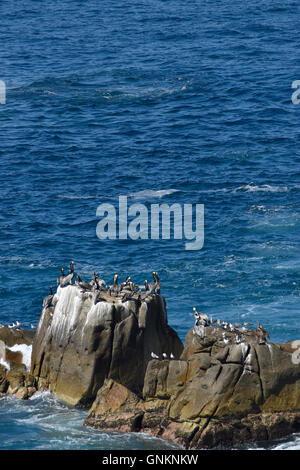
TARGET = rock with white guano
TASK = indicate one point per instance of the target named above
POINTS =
(79, 344)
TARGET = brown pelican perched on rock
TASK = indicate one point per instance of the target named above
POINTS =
(153, 286)
(128, 286)
(157, 283)
(126, 283)
(146, 284)
(60, 278)
(147, 292)
(69, 278)
(100, 283)
(115, 288)
(83, 285)
(261, 334)
(47, 302)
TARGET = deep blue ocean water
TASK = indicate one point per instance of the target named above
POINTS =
(163, 101)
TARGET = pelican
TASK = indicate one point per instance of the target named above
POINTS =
(47, 302)
(68, 279)
(261, 334)
(115, 288)
(83, 285)
(156, 282)
(202, 317)
(60, 278)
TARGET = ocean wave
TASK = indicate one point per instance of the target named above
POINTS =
(74, 196)
(249, 188)
(26, 353)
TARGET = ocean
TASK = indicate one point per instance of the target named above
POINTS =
(162, 101)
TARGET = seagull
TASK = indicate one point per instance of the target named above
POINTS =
(172, 356)
(32, 326)
(164, 355)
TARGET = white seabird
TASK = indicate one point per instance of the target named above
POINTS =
(154, 356)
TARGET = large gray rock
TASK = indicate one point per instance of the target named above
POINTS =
(225, 389)
(78, 344)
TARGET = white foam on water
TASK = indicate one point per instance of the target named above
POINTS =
(26, 351)
(41, 394)
(264, 188)
(290, 445)
(149, 193)
(74, 196)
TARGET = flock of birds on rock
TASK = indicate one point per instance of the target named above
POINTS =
(127, 290)
(164, 356)
(260, 333)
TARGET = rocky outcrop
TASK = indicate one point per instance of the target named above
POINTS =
(227, 386)
(13, 336)
(80, 344)
(225, 389)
